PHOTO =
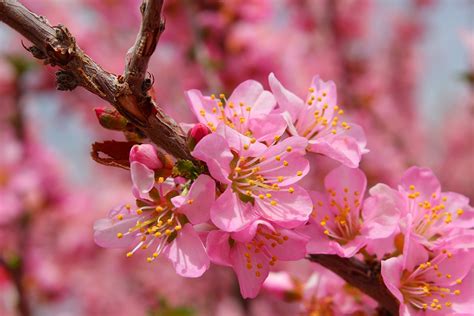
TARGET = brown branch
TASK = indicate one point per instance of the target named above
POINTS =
(151, 29)
(361, 275)
(56, 46)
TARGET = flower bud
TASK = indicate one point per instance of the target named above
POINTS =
(195, 134)
(111, 119)
(147, 155)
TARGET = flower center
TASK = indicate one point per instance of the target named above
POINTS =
(260, 248)
(421, 290)
(156, 225)
(344, 226)
(430, 216)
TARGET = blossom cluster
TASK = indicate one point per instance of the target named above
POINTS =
(245, 206)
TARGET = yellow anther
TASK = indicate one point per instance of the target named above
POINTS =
(213, 96)
(249, 266)
(119, 235)
(285, 163)
(157, 234)
(299, 173)
(242, 120)
(444, 199)
(248, 109)
(323, 223)
(459, 212)
(274, 203)
(248, 192)
(291, 190)
(252, 140)
(268, 195)
(311, 90)
(155, 254)
(139, 212)
(277, 157)
(169, 221)
(412, 187)
(261, 196)
(326, 232)
(149, 259)
(280, 179)
(289, 149)
(448, 304)
(246, 146)
(448, 276)
(128, 207)
(458, 281)
(202, 112)
(457, 292)
(222, 96)
(333, 131)
(178, 227)
(161, 180)
(159, 209)
(167, 232)
(190, 201)
(340, 112)
(129, 254)
(120, 217)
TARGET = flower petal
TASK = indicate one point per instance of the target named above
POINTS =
(106, 230)
(197, 204)
(249, 282)
(229, 213)
(143, 178)
(218, 247)
(286, 100)
(290, 210)
(187, 253)
(215, 152)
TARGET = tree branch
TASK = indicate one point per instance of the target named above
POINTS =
(152, 27)
(56, 46)
(366, 278)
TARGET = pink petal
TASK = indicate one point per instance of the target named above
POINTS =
(106, 230)
(271, 167)
(344, 179)
(286, 100)
(249, 283)
(229, 213)
(197, 204)
(187, 253)
(199, 103)
(215, 152)
(218, 247)
(239, 142)
(147, 155)
(143, 178)
(291, 210)
(264, 104)
(247, 92)
(382, 212)
(294, 248)
(318, 243)
(391, 273)
(265, 128)
(424, 181)
(346, 147)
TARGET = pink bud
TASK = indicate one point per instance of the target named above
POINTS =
(195, 134)
(147, 155)
(111, 119)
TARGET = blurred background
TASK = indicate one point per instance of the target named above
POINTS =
(404, 71)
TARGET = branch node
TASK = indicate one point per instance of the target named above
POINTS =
(65, 80)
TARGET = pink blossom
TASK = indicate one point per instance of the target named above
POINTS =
(318, 120)
(252, 252)
(431, 284)
(260, 180)
(429, 217)
(339, 225)
(248, 110)
(164, 222)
